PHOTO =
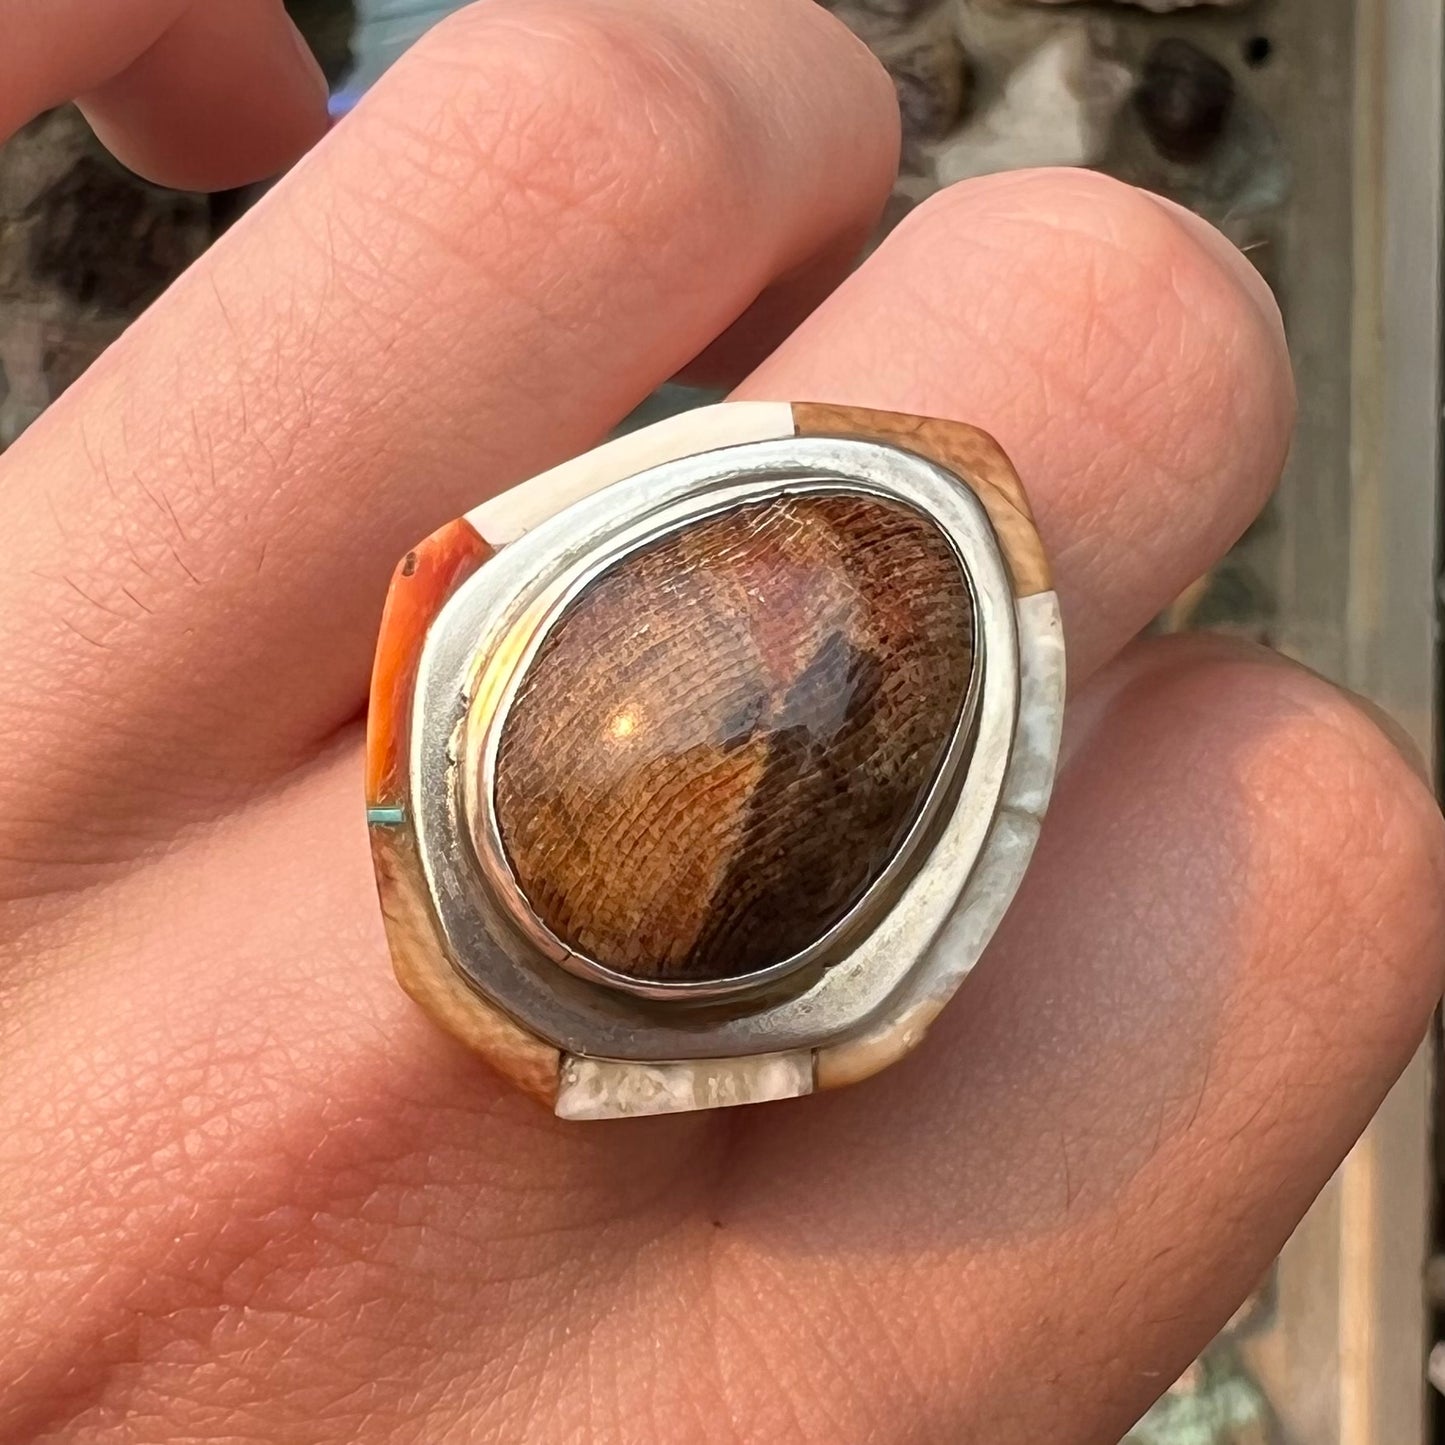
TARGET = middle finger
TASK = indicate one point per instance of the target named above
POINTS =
(540, 214)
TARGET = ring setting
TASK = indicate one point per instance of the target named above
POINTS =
(701, 769)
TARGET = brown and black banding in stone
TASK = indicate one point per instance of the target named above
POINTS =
(726, 739)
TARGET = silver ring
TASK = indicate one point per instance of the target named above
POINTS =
(702, 768)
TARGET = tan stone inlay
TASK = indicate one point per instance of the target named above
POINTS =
(423, 970)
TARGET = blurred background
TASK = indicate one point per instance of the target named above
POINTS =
(1310, 131)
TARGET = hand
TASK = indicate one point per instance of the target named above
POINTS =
(247, 1192)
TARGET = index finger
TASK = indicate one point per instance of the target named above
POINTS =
(199, 94)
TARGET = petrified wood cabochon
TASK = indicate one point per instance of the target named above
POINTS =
(724, 741)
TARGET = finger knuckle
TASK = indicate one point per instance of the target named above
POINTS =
(587, 110)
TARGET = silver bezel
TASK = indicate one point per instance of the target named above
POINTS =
(499, 679)
(476, 652)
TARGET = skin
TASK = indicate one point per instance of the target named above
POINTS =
(246, 1191)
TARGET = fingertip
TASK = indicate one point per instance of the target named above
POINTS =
(1232, 261)
(1349, 837)
(229, 95)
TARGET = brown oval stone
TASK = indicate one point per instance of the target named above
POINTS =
(726, 738)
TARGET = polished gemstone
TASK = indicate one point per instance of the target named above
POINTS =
(726, 738)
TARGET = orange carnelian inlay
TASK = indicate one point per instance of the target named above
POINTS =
(422, 582)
